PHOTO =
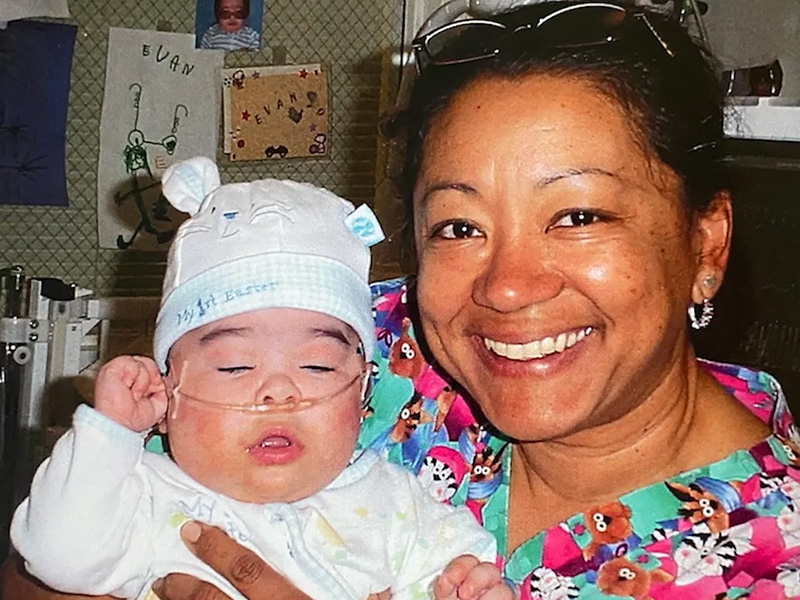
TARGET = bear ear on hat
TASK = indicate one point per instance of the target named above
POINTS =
(187, 183)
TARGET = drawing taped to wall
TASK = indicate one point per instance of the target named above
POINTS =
(156, 110)
(276, 112)
(137, 165)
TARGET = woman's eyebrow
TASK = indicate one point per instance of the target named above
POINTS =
(446, 185)
(224, 332)
(544, 181)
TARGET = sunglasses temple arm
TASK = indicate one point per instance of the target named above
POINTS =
(656, 35)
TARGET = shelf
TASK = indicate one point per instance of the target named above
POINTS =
(761, 154)
(763, 119)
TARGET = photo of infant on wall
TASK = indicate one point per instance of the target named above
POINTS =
(229, 24)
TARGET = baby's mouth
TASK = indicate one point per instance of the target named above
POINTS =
(274, 442)
(276, 448)
(538, 348)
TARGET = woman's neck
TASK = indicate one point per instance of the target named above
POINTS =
(688, 421)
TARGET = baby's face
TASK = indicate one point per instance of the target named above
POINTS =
(231, 15)
(305, 366)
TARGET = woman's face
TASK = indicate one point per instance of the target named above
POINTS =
(556, 257)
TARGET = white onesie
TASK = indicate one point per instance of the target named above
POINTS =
(103, 517)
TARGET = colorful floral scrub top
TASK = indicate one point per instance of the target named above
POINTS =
(727, 530)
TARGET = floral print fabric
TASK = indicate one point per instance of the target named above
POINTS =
(730, 529)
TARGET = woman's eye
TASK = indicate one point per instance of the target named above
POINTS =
(577, 218)
(234, 370)
(457, 230)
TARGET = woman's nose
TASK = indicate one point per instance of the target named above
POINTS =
(516, 276)
(278, 389)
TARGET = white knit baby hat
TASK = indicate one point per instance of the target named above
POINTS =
(265, 244)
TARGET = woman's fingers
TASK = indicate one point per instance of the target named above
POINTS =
(16, 584)
(244, 569)
(179, 586)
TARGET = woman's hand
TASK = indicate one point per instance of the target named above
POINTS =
(16, 584)
(247, 572)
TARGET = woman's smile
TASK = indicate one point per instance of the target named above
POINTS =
(536, 349)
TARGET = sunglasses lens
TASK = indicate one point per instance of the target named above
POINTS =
(584, 25)
(464, 43)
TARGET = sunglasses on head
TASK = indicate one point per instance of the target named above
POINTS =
(573, 26)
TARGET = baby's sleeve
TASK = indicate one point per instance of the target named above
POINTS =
(205, 41)
(439, 534)
(81, 529)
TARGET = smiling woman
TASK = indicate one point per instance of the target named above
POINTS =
(568, 209)
(557, 226)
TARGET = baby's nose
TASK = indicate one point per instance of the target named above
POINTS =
(278, 389)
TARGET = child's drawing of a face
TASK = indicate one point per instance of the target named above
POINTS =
(231, 15)
(276, 356)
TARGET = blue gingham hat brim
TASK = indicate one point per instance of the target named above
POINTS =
(272, 280)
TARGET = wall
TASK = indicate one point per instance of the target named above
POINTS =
(347, 35)
(752, 32)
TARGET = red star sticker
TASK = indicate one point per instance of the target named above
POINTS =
(303, 73)
(246, 116)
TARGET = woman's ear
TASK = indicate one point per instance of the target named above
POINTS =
(712, 244)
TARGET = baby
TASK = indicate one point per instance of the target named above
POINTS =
(230, 31)
(259, 380)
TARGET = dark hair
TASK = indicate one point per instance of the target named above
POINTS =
(673, 96)
(245, 8)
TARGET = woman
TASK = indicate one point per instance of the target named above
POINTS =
(567, 212)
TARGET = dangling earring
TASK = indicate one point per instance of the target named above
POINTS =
(706, 314)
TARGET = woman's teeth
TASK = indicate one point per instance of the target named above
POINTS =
(537, 348)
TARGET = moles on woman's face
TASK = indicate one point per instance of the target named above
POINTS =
(556, 256)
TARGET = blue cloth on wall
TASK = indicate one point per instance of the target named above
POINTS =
(35, 62)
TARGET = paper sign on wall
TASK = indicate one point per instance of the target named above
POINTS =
(276, 112)
(35, 61)
(159, 107)
(11, 10)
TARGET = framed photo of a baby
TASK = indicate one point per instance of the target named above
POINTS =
(229, 24)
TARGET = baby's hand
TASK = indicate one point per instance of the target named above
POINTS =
(129, 389)
(466, 578)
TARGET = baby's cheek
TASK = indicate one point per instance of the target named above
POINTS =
(349, 419)
(199, 445)
(191, 428)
